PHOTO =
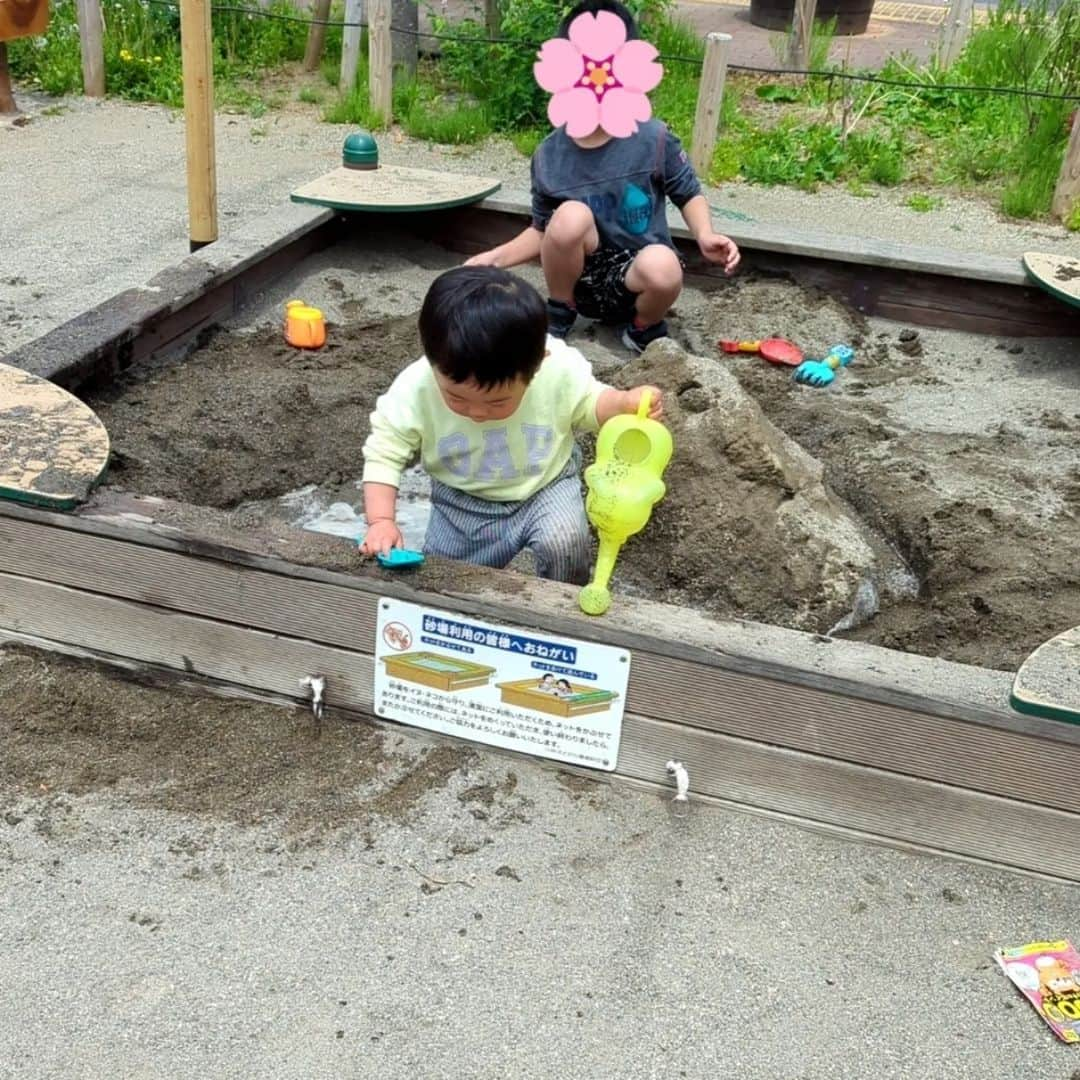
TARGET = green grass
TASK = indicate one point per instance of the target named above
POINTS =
(142, 53)
(923, 204)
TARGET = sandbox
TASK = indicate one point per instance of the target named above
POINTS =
(940, 477)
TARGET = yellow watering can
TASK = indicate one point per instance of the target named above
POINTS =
(624, 485)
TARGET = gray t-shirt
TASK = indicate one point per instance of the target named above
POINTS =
(624, 183)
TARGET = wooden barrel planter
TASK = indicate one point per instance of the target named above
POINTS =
(852, 16)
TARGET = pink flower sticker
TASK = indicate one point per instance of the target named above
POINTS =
(597, 78)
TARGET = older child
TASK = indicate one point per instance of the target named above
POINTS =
(492, 409)
(599, 221)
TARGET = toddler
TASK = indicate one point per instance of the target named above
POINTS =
(492, 409)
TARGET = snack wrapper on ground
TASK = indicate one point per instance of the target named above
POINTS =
(1048, 975)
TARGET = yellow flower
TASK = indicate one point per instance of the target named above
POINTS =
(125, 54)
(157, 59)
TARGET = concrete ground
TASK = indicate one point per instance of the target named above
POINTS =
(565, 930)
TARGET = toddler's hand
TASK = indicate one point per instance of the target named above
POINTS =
(656, 400)
(381, 537)
(720, 249)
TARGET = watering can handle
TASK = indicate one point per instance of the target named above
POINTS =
(643, 404)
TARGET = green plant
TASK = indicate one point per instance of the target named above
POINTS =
(500, 74)
(310, 96)
(141, 45)
(526, 141)
(922, 204)
(779, 92)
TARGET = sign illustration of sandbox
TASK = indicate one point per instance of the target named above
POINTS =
(500, 685)
(441, 673)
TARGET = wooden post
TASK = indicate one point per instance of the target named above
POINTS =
(955, 31)
(492, 18)
(316, 38)
(710, 98)
(7, 98)
(88, 13)
(404, 38)
(350, 45)
(802, 34)
(198, 63)
(380, 61)
(1067, 192)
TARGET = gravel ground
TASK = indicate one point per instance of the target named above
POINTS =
(504, 921)
(183, 910)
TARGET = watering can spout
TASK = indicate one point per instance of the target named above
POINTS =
(643, 405)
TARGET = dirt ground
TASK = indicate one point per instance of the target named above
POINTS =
(958, 456)
(71, 730)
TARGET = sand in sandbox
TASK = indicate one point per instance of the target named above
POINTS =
(960, 457)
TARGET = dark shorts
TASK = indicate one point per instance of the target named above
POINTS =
(601, 292)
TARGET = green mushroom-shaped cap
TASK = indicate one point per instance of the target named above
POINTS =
(360, 151)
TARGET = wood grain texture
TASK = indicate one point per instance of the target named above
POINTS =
(198, 74)
(797, 784)
(7, 97)
(955, 30)
(169, 679)
(710, 101)
(1067, 189)
(151, 635)
(802, 33)
(91, 47)
(53, 448)
(865, 672)
(350, 45)
(380, 61)
(803, 786)
(316, 39)
(815, 719)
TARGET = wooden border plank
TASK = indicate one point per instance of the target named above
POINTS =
(940, 288)
(177, 303)
(159, 677)
(814, 720)
(802, 785)
(838, 793)
(863, 672)
(152, 635)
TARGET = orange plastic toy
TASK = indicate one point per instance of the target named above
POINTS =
(305, 327)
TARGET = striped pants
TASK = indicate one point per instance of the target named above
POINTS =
(551, 523)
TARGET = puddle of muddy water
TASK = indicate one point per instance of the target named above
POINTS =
(318, 510)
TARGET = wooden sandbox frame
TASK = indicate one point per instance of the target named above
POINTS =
(847, 737)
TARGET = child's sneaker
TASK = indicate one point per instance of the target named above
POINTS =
(637, 339)
(561, 318)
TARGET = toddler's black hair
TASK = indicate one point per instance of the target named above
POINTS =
(593, 7)
(484, 324)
